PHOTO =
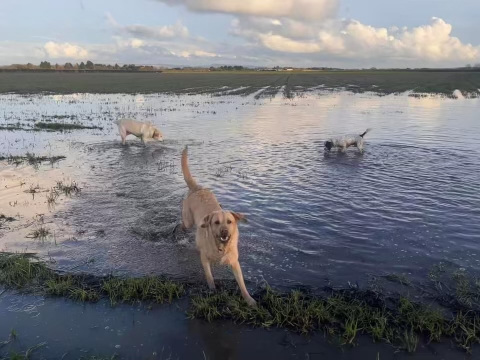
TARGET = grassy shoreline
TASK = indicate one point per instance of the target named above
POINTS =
(380, 82)
(344, 314)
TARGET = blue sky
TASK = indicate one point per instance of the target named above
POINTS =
(344, 33)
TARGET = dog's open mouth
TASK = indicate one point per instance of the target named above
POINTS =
(225, 238)
(222, 242)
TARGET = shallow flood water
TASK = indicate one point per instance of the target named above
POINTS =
(58, 329)
(410, 201)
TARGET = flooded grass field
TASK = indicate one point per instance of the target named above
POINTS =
(401, 217)
(244, 83)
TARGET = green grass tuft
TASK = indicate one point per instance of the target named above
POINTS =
(71, 288)
(344, 314)
(20, 270)
(142, 289)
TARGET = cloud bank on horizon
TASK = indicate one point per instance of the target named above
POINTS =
(256, 32)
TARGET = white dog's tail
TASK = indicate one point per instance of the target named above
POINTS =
(366, 132)
(191, 183)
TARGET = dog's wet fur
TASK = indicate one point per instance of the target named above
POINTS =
(345, 142)
(217, 232)
(144, 131)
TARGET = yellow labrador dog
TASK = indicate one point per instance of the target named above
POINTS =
(139, 129)
(216, 230)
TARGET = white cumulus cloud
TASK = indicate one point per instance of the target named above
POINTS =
(177, 30)
(306, 10)
(351, 40)
(157, 32)
(65, 50)
(197, 53)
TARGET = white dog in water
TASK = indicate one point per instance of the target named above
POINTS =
(343, 142)
(141, 130)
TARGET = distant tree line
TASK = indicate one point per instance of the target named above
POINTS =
(89, 65)
(228, 68)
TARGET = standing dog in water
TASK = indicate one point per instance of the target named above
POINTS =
(216, 230)
(139, 129)
(343, 142)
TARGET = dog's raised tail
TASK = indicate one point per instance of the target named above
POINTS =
(191, 183)
(365, 133)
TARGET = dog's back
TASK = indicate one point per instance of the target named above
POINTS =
(132, 125)
(345, 141)
(126, 121)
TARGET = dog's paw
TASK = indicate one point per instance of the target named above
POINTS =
(211, 287)
(251, 302)
(179, 228)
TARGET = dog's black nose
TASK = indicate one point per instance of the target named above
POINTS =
(224, 233)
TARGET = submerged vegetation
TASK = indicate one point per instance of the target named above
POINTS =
(344, 314)
(67, 189)
(5, 219)
(56, 126)
(14, 355)
(62, 188)
(31, 159)
(50, 126)
(41, 233)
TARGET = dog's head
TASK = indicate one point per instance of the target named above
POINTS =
(223, 226)
(328, 145)
(157, 135)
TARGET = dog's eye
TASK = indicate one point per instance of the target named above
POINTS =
(217, 222)
(229, 221)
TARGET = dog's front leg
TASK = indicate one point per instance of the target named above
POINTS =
(237, 272)
(123, 134)
(360, 147)
(208, 271)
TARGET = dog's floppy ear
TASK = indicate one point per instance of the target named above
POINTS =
(206, 221)
(238, 217)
